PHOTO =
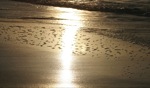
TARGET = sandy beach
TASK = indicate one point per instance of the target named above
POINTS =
(30, 61)
(70, 48)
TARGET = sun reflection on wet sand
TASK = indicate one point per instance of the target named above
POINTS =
(71, 26)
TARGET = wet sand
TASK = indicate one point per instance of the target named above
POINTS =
(31, 57)
(52, 47)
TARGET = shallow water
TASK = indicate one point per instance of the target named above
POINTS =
(140, 7)
(120, 26)
(53, 56)
(53, 47)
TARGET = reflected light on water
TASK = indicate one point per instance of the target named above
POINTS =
(71, 26)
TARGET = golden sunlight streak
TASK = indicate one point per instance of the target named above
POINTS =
(71, 26)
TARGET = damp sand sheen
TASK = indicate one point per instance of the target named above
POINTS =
(63, 47)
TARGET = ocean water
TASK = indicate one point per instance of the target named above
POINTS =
(131, 24)
(134, 7)
(106, 44)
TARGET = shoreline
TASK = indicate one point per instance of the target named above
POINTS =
(117, 8)
(130, 36)
(52, 53)
(125, 35)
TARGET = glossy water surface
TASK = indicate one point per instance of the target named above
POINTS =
(53, 47)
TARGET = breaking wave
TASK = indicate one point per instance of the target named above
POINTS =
(139, 8)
